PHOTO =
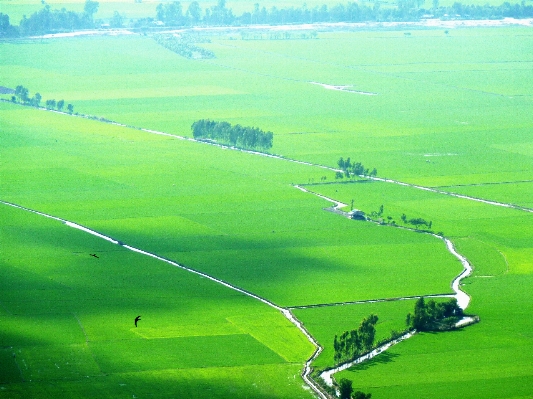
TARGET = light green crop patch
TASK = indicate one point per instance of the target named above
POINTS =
(183, 352)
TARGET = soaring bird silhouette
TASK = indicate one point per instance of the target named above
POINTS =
(137, 319)
(96, 256)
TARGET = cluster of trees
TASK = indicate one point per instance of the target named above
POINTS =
(6, 29)
(47, 20)
(22, 96)
(346, 391)
(172, 14)
(416, 222)
(237, 135)
(406, 10)
(353, 169)
(183, 46)
(432, 316)
(355, 342)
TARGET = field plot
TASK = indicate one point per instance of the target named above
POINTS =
(229, 214)
(68, 317)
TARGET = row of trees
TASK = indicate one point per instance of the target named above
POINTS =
(172, 14)
(355, 342)
(22, 96)
(433, 316)
(184, 46)
(49, 20)
(406, 10)
(237, 135)
(353, 169)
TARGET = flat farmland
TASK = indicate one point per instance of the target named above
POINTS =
(437, 96)
(229, 214)
(498, 243)
(68, 317)
(451, 111)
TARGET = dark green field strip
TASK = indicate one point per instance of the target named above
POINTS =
(9, 370)
(261, 382)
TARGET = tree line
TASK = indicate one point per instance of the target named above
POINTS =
(407, 10)
(22, 97)
(353, 343)
(237, 135)
(416, 222)
(346, 391)
(350, 169)
(184, 46)
(433, 316)
(173, 14)
(48, 20)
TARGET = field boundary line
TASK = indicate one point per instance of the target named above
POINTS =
(87, 342)
(403, 298)
(280, 157)
(284, 311)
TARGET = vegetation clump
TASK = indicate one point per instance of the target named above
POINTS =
(355, 342)
(22, 96)
(433, 316)
(416, 222)
(353, 169)
(236, 135)
(346, 391)
(49, 20)
(184, 46)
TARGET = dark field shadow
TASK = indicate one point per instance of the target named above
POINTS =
(382, 358)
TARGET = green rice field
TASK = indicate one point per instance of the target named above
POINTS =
(448, 111)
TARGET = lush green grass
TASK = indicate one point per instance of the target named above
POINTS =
(68, 316)
(462, 102)
(519, 193)
(230, 214)
(491, 359)
(439, 97)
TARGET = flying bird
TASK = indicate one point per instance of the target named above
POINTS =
(96, 256)
(137, 319)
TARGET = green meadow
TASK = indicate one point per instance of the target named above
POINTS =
(67, 324)
(451, 111)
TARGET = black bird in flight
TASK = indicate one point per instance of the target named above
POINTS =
(137, 319)
(96, 256)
